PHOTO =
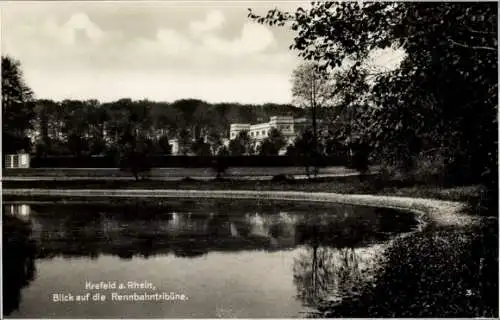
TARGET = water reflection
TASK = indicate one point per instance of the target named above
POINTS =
(20, 211)
(70, 231)
(18, 260)
(327, 275)
(331, 247)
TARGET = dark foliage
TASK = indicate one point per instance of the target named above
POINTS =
(17, 108)
(102, 124)
(437, 273)
(138, 163)
(18, 262)
(441, 100)
(158, 161)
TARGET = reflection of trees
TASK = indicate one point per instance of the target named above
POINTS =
(18, 260)
(187, 249)
(181, 233)
(349, 231)
(219, 225)
(331, 268)
(81, 230)
(322, 273)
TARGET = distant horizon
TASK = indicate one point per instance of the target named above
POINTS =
(170, 102)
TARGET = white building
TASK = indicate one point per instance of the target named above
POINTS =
(289, 127)
(174, 143)
(236, 128)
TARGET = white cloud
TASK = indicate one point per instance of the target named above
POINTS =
(254, 38)
(214, 20)
(49, 35)
(80, 21)
(172, 42)
(67, 32)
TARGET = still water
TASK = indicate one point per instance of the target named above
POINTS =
(184, 259)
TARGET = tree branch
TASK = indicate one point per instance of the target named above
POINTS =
(471, 47)
(465, 27)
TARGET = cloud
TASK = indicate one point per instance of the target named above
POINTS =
(92, 55)
(77, 24)
(254, 38)
(172, 42)
(214, 20)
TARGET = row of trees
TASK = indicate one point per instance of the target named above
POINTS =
(90, 127)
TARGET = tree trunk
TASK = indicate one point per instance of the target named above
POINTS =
(315, 127)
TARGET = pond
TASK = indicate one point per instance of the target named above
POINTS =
(188, 259)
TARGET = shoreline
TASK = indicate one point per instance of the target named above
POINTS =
(173, 178)
(440, 212)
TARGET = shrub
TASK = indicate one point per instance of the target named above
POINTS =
(282, 178)
(138, 163)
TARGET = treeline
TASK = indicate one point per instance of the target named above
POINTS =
(74, 127)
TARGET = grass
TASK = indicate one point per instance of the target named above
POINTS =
(472, 194)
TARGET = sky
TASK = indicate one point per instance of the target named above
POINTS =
(161, 51)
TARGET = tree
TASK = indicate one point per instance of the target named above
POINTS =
(135, 152)
(305, 148)
(164, 145)
(442, 98)
(96, 145)
(201, 148)
(17, 108)
(185, 141)
(220, 163)
(272, 144)
(97, 119)
(48, 121)
(76, 126)
(241, 145)
(77, 144)
(312, 88)
(215, 141)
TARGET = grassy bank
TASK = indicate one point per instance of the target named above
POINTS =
(166, 172)
(472, 194)
(440, 272)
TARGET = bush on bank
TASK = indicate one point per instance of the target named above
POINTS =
(441, 272)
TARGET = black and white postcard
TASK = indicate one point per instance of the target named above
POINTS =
(249, 159)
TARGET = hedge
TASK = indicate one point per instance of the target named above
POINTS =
(188, 161)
